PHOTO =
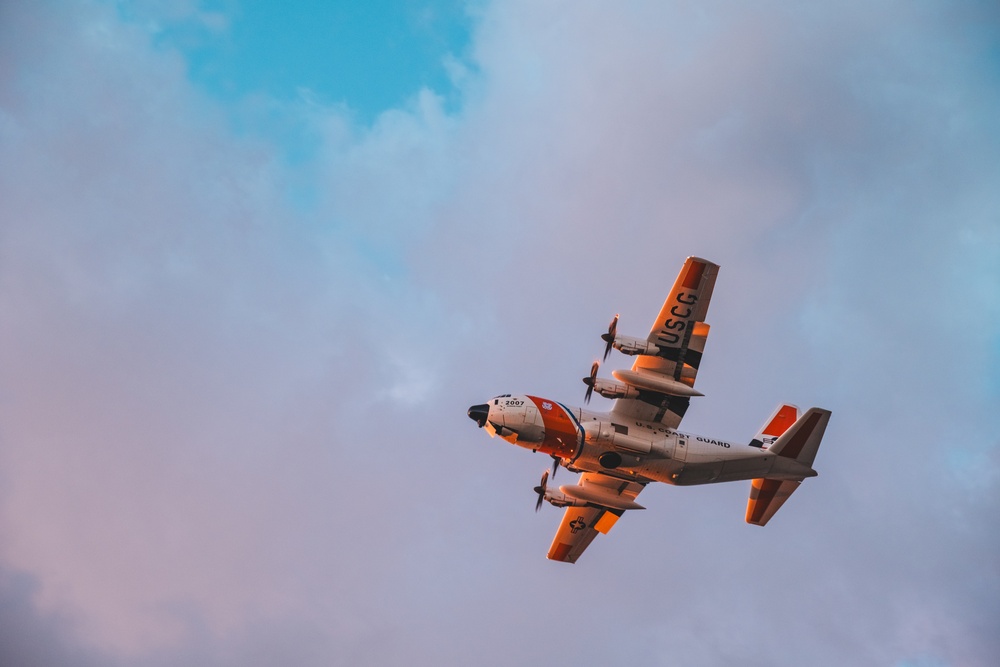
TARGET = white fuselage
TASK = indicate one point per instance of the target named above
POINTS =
(586, 441)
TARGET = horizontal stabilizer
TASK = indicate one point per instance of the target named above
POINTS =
(766, 497)
(798, 439)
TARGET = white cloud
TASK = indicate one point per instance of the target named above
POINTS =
(232, 398)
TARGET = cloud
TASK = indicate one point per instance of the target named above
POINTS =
(232, 397)
(28, 637)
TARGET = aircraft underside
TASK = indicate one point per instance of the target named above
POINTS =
(746, 463)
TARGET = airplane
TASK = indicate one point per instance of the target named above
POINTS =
(638, 442)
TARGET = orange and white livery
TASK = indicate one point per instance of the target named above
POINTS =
(637, 442)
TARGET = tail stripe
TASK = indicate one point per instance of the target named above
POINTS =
(779, 422)
(766, 497)
(783, 419)
(761, 494)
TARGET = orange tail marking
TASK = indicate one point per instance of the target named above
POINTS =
(781, 422)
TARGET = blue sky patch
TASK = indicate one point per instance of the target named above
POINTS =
(370, 56)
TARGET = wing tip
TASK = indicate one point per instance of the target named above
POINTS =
(560, 552)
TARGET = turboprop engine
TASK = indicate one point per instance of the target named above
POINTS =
(611, 389)
(556, 498)
(633, 346)
(626, 344)
(606, 388)
(573, 495)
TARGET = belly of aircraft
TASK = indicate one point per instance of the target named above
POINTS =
(735, 466)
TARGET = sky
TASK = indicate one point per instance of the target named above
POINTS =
(257, 260)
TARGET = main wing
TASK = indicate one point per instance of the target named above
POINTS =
(680, 333)
(580, 525)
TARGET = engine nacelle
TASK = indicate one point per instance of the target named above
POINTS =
(633, 346)
(560, 499)
(612, 389)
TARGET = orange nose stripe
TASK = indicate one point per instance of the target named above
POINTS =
(561, 437)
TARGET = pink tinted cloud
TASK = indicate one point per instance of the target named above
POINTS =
(229, 426)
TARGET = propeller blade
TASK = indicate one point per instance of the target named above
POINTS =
(555, 466)
(540, 490)
(590, 380)
(609, 337)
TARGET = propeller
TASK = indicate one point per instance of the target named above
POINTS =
(590, 380)
(609, 337)
(540, 490)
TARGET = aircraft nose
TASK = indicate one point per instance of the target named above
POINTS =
(479, 414)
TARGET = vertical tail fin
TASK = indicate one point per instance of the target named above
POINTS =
(779, 421)
(799, 441)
